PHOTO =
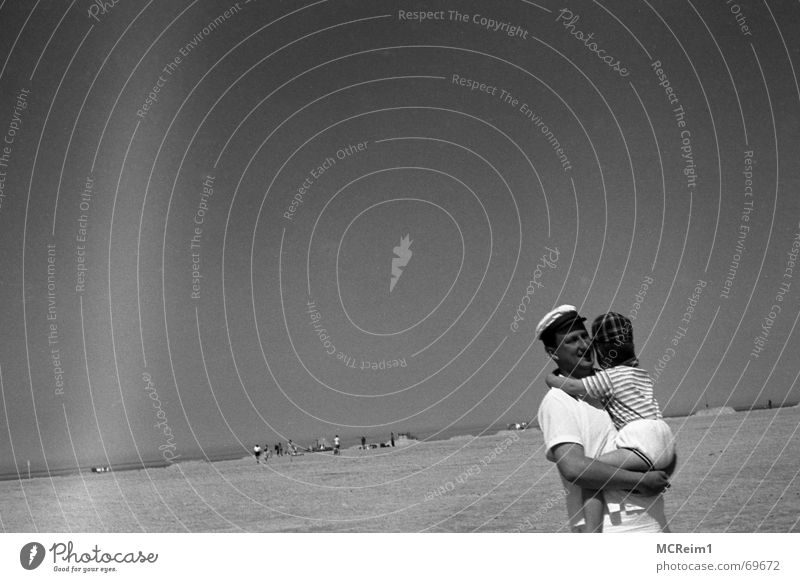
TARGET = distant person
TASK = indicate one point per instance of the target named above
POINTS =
(291, 450)
(280, 449)
(575, 432)
(277, 450)
(392, 439)
(363, 442)
(769, 403)
(336, 445)
(257, 453)
(644, 441)
(267, 452)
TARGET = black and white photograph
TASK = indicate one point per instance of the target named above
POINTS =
(387, 267)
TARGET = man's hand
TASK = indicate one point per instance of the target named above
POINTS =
(589, 473)
(652, 483)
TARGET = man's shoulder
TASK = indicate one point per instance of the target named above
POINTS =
(557, 404)
(557, 396)
(555, 401)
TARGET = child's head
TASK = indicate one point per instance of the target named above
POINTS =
(612, 338)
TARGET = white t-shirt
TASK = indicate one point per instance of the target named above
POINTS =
(564, 419)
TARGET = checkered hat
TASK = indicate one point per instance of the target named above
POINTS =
(612, 327)
(561, 318)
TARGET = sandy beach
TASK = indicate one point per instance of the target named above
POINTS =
(738, 473)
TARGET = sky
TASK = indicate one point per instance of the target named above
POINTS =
(226, 223)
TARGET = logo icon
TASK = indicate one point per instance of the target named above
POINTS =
(403, 255)
(31, 555)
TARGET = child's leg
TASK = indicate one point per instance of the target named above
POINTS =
(625, 459)
(593, 504)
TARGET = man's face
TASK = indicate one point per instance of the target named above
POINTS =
(573, 354)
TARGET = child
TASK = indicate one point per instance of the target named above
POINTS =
(644, 441)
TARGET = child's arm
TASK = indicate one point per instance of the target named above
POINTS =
(571, 386)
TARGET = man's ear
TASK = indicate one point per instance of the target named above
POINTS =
(551, 352)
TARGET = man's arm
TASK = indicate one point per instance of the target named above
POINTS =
(589, 473)
(571, 386)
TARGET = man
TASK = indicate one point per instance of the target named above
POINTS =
(575, 432)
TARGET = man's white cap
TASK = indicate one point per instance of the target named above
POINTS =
(551, 317)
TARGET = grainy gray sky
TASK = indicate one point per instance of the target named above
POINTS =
(201, 204)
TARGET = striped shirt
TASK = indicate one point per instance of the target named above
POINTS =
(626, 393)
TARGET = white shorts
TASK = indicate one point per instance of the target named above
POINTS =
(627, 519)
(635, 514)
(652, 438)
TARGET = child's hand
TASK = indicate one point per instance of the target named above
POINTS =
(652, 483)
(552, 381)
